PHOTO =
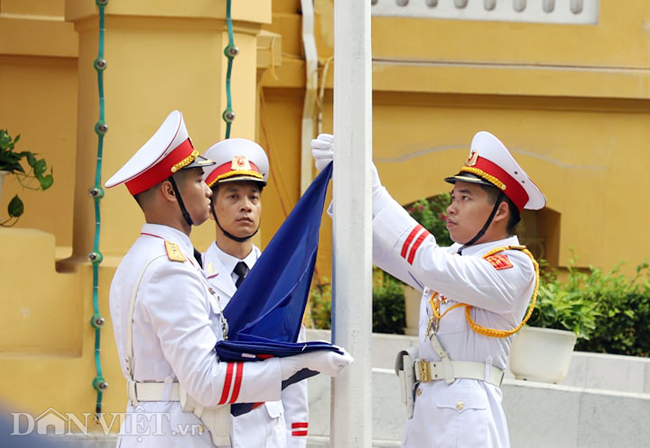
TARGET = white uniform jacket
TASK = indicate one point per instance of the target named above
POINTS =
(176, 323)
(466, 413)
(276, 424)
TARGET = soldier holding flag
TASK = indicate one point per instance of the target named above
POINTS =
(237, 180)
(474, 294)
(166, 317)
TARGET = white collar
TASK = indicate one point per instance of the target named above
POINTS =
(479, 249)
(171, 234)
(229, 262)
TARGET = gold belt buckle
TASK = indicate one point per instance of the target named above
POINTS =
(425, 371)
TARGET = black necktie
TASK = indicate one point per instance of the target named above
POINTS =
(241, 270)
(197, 257)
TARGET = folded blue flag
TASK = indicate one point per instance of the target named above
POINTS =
(265, 314)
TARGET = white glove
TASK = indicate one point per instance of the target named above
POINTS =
(376, 183)
(322, 149)
(324, 361)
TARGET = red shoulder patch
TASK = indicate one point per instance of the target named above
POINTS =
(499, 261)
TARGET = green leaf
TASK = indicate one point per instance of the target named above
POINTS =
(46, 181)
(629, 313)
(15, 207)
(39, 167)
(31, 157)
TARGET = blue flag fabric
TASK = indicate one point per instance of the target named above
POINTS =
(265, 314)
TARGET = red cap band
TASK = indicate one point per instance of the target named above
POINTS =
(513, 190)
(161, 170)
(225, 171)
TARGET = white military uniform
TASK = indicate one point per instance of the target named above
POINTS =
(458, 403)
(276, 424)
(468, 412)
(167, 319)
(176, 324)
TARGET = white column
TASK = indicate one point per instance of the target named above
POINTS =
(351, 412)
(311, 87)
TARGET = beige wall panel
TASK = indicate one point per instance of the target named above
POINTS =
(33, 7)
(286, 6)
(34, 381)
(37, 37)
(39, 101)
(30, 309)
(253, 11)
(290, 27)
(280, 115)
(150, 73)
(243, 87)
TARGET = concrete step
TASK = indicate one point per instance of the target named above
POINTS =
(603, 402)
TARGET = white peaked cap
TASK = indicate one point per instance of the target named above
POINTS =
(236, 159)
(490, 163)
(166, 152)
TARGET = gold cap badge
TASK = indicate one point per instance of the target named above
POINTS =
(472, 158)
(240, 163)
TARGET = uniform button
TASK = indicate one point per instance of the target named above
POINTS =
(460, 406)
(419, 392)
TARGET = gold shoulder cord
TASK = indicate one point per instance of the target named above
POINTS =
(434, 301)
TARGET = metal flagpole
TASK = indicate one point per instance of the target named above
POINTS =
(351, 405)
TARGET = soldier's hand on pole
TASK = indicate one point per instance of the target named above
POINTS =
(322, 149)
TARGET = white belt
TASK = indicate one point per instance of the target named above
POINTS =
(216, 419)
(152, 391)
(426, 371)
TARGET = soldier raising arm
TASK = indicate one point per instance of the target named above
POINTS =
(474, 293)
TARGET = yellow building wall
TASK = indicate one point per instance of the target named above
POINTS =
(161, 56)
(570, 101)
(38, 100)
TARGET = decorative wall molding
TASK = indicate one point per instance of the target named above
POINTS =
(577, 12)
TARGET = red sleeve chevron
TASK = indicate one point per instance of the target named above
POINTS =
(299, 429)
(413, 242)
(232, 383)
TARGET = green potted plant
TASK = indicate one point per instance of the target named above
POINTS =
(564, 312)
(35, 178)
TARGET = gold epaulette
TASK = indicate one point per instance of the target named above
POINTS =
(173, 252)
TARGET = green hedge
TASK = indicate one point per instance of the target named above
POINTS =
(388, 306)
(622, 310)
(388, 314)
